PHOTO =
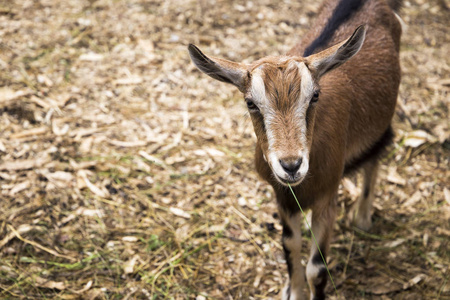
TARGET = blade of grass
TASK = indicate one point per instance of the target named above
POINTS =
(74, 266)
(315, 241)
(52, 252)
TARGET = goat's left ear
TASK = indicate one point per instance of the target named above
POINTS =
(220, 69)
(331, 58)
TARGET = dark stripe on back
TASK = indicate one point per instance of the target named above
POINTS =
(343, 11)
(372, 153)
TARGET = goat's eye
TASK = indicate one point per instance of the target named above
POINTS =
(315, 97)
(251, 105)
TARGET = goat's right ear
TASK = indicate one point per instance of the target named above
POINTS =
(220, 69)
(335, 56)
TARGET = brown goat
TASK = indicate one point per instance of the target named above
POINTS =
(317, 119)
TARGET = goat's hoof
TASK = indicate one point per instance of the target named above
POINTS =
(363, 223)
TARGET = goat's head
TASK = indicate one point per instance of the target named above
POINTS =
(281, 95)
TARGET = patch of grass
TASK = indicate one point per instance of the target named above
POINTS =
(74, 266)
(153, 243)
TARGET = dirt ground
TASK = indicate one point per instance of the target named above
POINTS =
(127, 174)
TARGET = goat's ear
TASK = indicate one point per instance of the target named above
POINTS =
(331, 58)
(220, 69)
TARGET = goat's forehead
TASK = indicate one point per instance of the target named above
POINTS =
(281, 81)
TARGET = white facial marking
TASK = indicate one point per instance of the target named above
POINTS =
(259, 97)
(258, 91)
(276, 166)
(307, 90)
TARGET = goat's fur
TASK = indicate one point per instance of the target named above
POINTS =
(354, 76)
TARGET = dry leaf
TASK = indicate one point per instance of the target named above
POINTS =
(40, 102)
(442, 132)
(60, 131)
(94, 189)
(24, 164)
(7, 95)
(19, 187)
(153, 159)
(128, 266)
(60, 178)
(127, 144)
(141, 165)
(91, 56)
(179, 212)
(416, 138)
(86, 144)
(214, 152)
(24, 228)
(25, 133)
(415, 198)
(49, 284)
(394, 177)
(130, 239)
(41, 78)
(89, 212)
(199, 152)
(82, 164)
(149, 180)
(85, 288)
(447, 195)
(382, 286)
(414, 281)
(257, 281)
(395, 243)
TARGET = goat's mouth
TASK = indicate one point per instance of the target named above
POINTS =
(292, 181)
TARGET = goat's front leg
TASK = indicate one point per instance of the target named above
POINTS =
(292, 245)
(322, 226)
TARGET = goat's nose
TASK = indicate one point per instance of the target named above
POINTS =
(291, 166)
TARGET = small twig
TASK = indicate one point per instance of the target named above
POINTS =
(52, 252)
